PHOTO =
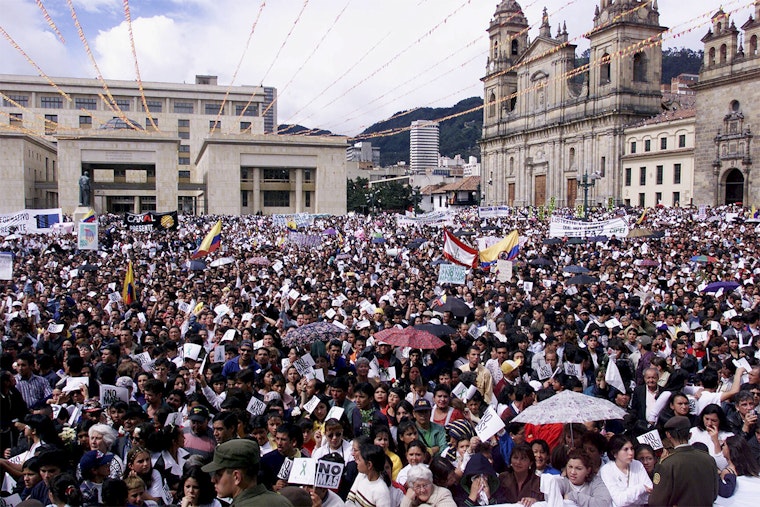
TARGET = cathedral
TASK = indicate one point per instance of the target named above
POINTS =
(546, 123)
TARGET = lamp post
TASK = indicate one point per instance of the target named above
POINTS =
(588, 182)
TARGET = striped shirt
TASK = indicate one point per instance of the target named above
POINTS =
(34, 389)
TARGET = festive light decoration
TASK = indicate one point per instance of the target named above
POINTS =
(50, 21)
(128, 17)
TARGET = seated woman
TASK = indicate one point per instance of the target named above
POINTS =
(742, 471)
(625, 478)
(520, 482)
(712, 429)
(581, 486)
(541, 453)
(422, 491)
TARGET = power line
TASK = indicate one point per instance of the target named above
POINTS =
(128, 17)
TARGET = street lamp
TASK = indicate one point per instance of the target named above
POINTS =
(588, 182)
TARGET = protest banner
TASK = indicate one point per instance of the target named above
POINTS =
(452, 273)
(6, 266)
(30, 221)
(256, 406)
(562, 227)
(504, 270)
(303, 471)
(652, 438)
(148, 221)
(489, 425)
(87, 236)
(328, 474)
(111, 394)
(284, 472)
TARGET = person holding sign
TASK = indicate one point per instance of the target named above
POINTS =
(235, 469)
(625, 478)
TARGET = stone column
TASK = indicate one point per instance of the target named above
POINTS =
(256, 201)
(299, 190)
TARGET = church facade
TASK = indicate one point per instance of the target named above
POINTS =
(546, 123)
(727, 107)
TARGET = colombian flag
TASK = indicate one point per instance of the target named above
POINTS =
(128, 292)
(90, 217)
(210, 243)
(510, 245)
(642, 217)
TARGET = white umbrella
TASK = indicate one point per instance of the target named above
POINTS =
(222, 261)
(570, 407)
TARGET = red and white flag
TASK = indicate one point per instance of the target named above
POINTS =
(457, 251)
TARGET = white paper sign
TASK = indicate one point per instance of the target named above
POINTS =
(87, 236)
(528, 286)
(715, 326)
(574, 369)
(303, 471)
(652, 438)
(111, 394)
(335, 413)
(284, 472)
(328, 474)
(700, 336)
(452, 273)
(228, 335)
(311, 404)
(175, 419)
(256, 406)
(729, 313)
(387, 375)
(191, 351)
(742, 363)
(304, 364)
(75, 383)
(489, 425)
(504, 268)
(219, 353)
(145, 361)
(6, 266)
(544, 371)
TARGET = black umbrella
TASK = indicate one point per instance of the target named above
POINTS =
(552, 241)
(439, 330)
(463, 232)
(575, 241)
(541, 261)
(489, 228)
(575, 269)
(415, 243)
(581, 280)
(456, 306)
(597, 239)
(88, 267)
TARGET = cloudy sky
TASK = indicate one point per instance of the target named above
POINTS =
(338, 64)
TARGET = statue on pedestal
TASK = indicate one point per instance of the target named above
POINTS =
(84, 189)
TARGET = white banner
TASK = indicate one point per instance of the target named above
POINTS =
(6, 266)
(436, 218)
(87, 236)
(562, 227)
(494, 211)
(30, 221)
(452, 273)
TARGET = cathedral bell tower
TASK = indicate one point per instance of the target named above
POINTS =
(508, 35)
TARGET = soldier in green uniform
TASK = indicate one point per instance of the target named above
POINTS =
(686, 476)
(234, 472)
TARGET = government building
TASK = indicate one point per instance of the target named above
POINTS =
(197, 148)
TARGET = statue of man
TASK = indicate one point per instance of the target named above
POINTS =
(84, 189)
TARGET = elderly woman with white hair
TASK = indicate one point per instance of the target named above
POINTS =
(421, 492)
(102, 438)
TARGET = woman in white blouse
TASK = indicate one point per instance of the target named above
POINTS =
(712, 430)
(625, 478)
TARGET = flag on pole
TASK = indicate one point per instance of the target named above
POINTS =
(510, 245)
(210, 243)
(457, 251)
(90, 217)
(128, 292)
(612, 376)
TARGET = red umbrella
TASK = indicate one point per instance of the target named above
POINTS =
(649, 263)
(409, 337)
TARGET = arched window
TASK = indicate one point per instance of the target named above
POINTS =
(639, 67)
(753, 45)
(723, 51)
(719, 27)
(514, 47)
(511, 165)
(712, 57)
(604, 71)
(572, 158)
(492, 104)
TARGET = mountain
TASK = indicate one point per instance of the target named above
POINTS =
(458, 136)
(300, 129)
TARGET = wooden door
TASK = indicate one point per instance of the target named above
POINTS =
(572, 192)
(539, 195)
(511, 194)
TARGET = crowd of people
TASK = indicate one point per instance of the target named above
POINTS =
(226, 378)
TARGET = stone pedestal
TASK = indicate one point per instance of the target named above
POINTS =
(79, 213)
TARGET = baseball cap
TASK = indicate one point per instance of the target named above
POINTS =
(678, 422)
(509, 366)
(94, 459)
(422, 404)
(235, 453)
(198, 413)
(246, 343)
(644, 339)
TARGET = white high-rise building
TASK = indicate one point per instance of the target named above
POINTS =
(423, 145)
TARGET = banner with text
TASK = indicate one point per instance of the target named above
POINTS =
(30, 221)
(494, 211)
(562, 227)
(436, 218)
(151, 220)
(452, 273)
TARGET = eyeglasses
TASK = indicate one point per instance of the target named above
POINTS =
(245, 351)
(335, 435)
(423, 486)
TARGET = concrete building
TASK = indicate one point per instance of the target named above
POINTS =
(423, 145)
(363, 152)
(175, 147)
(728, 104)
(658, 164)
(546, 123)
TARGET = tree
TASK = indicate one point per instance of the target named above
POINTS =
(356, 194)
(391, 195)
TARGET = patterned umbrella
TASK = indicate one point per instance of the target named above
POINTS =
(703, 258)
(570, 407)
(316, 331)
(649, 263)
(409, 337)
(259, 261)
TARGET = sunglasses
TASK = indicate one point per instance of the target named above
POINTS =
(335, 435)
